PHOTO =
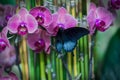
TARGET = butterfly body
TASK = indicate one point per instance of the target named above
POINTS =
(67, 39)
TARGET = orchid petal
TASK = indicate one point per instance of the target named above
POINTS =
(31, 39)
(52, 29)
(45, 36)
(4, 36)
(92, 6)
(32, 24)
(13, 23)
(8, 57)
(70, 21)
(91, 17)
(62, 10)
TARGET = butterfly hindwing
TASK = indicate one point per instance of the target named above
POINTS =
(68, 43)
(59, 43)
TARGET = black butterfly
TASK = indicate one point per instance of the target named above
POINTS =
(67, 39)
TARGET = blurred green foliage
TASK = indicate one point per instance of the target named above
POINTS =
(12, 2)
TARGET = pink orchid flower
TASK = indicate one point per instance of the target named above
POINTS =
(38, 41)
(99, 18)
(8, 56)
(115, 4)
(22, 23)
(4, 42)
(6, 12)
(61, 19)
(42, 15)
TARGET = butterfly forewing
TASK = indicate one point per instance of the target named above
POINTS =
(67, 39)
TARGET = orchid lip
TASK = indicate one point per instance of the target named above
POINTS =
(40, 45)
(99, 23)
(61, 26)
(22, 29)
(2, 45)
(40, 19)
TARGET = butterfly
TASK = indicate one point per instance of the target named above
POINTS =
(67, 39)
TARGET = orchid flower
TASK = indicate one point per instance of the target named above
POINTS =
(38, 41)
(99, 18)
(61, 19)
(42, 15)
(115, 4)
(8, 56)
(6, 12)
(22, 23)
(4, 42)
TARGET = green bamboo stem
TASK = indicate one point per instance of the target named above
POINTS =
(61, 70)
(53, 60)
(82, 59)
(57, 69)
(37, 65)
(31, 64)
(86, 54)
(28, 4)
(32, 3)
(49, 68)
(86, 57)
(42, 66)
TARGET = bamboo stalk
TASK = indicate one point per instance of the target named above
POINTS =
(37, 2)
(25, 59)
(37, 66)
(49, 68)
(42, 66)
(86, 53)
(57, 69)
(31, 64)
(22, 62)
(82, 59)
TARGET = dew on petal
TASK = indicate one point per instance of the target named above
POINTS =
(2, 45)
(22, 29)
(40, 45)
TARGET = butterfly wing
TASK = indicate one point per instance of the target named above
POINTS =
(59, 43)
(70, 37)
